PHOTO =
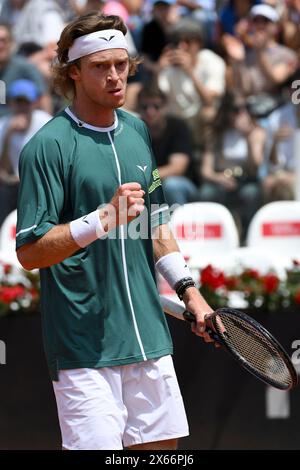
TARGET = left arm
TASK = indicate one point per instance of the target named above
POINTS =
(164, 243)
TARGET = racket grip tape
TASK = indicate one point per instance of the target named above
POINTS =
(190, 317)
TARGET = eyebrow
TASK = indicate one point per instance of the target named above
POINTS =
(108, 61)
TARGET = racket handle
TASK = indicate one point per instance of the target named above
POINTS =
(178, 311)
(190, 317)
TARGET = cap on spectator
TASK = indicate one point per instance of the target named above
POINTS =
(266, 11)
(23, 89)
(166, 2)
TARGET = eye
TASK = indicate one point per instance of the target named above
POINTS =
(122, 65)
(100, 66)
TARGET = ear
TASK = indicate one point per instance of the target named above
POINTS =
(74, 72)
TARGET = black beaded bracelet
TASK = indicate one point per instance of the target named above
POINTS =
(182, 285)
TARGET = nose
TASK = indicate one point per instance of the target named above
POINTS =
(113, 75)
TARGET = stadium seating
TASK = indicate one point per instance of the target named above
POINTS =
(275, 228)
(204, 232)
(8, 240)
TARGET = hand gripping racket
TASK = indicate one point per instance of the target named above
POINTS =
(247, 341)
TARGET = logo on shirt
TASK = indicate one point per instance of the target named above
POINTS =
(107, 39)
(142, 168)
(85, 220)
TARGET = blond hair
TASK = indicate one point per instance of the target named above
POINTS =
(86, 24)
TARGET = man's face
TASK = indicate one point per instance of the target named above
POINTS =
(152, 111)
(260, 24)
(5, 44)
(21, 105)
(102, 78)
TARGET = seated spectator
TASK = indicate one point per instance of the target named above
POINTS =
(11, 10)
(204, 11)
(13, 67)
(234, 21)
(291, 25)
(155, 36)
(229, 168)
(82, 8)
(193, 79)
(40, 21)
(233, 15)
(262, 75)
(172, 145)
(16, 129)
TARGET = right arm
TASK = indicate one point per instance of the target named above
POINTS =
(58, 244)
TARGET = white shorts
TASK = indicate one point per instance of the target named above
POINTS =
(112, 407)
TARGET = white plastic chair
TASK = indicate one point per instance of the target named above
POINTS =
(251, 258)
(8, 239)
(204, 231)
(275, 228)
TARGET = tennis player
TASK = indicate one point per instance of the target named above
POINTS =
(85, 179)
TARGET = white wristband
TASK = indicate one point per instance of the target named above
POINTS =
(87, 229)
(173, 268)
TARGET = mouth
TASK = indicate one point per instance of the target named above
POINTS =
(116, 92)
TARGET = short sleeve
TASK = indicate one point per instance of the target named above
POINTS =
(41, 191)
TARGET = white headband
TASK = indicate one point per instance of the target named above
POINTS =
(98, 41)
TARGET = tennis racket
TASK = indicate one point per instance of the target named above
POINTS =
(247, 341)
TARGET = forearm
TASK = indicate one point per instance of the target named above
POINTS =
(207, 96)
(241, 78)
(64, 240)
(163, 242)
(277, 74)
(54, 247)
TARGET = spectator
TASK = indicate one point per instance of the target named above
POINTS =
(204, 11)
(234, 14)
(155, 35)
(16, 129)
(13, 67)
(41, 22)
(194, 80)
(230, 164)
(11, 11)
(88, 6)
(291, 25)
(172, 145)
(262, 75)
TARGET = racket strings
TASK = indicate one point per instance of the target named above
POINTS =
(253, 348)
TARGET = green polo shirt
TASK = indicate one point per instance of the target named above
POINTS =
(100, 307)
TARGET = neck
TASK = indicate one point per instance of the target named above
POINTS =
(93, 114)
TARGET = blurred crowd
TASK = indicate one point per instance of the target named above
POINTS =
(217, 86)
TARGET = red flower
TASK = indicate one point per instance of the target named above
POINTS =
(212, 277)
(7, 269)
(231, 283)
(10, 293)
(250, 274)
(270, 283)
(34, 293)
(297, 297)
